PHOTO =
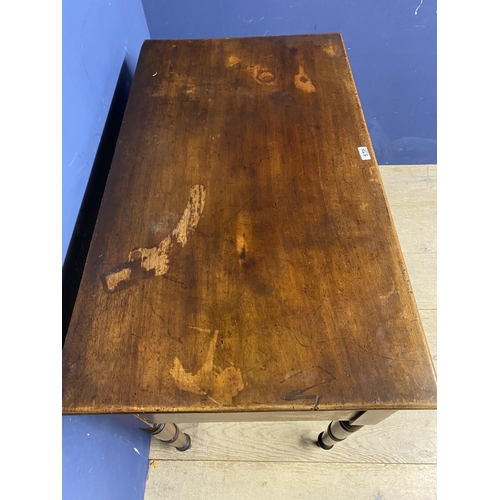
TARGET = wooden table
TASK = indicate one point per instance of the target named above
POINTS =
(244, 263)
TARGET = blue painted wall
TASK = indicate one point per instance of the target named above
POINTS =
(103, 457)
(98, 37)
(391, 46)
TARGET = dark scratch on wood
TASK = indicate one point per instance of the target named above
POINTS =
(179, 282)
(259, 162)
(332, 338)
(312, 396)
(296, 395)
(382, 356)
(154, 312)
(177, 339)
(237, 211)
(294, 335)
(257, 365)
(326, 371)
(291, 376)
(304, 119)
(253, 196)
(364, 348)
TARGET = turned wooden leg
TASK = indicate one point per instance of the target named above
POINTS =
(336, 432)
(167, 433)
(339, 430)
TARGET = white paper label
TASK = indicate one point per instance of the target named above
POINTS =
(363, 152)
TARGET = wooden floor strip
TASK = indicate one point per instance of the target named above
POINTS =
(289, 481)
(410, 184)
(416, 227)
(406, 437)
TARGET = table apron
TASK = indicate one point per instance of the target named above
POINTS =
(359, 417)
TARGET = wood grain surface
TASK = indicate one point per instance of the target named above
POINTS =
(244, 257)
(406, 440)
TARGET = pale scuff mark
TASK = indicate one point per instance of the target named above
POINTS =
(211, 381)
(197, 328)
(381, 332)
(329, 49)
(240, 242)
(73, 160)
(191, 216)
(385, 297)
(114, 279)
(164, 224)
(420, 5)
(303, 82)
(157, 259)
(233, 61)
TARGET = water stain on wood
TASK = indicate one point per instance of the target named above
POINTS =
(329, 49)
(241, 249)
(263, 75)
(303, 82)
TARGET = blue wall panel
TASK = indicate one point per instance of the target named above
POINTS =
(98, 37)
(391, 46)
(103, 457)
